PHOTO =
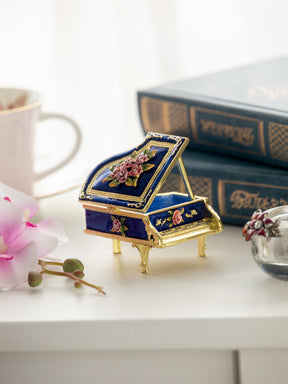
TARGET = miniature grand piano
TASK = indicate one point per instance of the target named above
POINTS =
(122, 201)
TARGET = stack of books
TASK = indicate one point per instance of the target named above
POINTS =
(237, 122)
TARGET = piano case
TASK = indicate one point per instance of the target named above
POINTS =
(122, 201)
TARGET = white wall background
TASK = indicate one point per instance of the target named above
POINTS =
(89, 57)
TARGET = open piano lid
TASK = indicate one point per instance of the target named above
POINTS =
(132, 179)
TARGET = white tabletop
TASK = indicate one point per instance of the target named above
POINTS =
(223, 301)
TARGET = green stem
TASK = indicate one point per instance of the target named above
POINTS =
(40, 262)
(67, 274)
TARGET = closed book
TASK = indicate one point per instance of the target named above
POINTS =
(241, 112)
(235, 188)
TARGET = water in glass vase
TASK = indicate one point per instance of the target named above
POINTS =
(271, 256)
(277, 270)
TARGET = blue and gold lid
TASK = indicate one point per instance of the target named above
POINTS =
(132, 179)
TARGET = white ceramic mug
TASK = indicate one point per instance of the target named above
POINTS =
(20, 111)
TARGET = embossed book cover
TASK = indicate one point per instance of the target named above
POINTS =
(241, 112)
(235, 187)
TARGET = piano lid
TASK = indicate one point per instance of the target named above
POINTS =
(132, 179)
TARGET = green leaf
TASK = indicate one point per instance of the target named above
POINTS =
(129, 182)
(152, 153)
(135, 179)
(124, 228)
(182, 210)
(134, 154)
(146, 167)
(107, 178)
(114, 183)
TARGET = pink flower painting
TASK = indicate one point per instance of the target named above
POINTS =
(118, 225)
(176, 217)
(23, 242)
(127, 172)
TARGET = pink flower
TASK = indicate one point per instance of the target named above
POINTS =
(135, 170)
(115, 171)
(128, 162)
(141, 158)
(258, 225)
(116, 225)
(121, 175)
(21, 241)
(177, 217)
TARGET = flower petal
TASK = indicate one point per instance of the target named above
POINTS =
(53, 227)
(44, 243)
(249, 234)
(261, 232)
(23, 201)
(12, 222)
(15, 271)
(267, 221)
(5, 256)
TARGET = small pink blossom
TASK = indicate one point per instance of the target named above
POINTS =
(116, 225)
(116, 169)
(22, 242)
(127, 171)
(121, 175)
(141, 158)
(135, 170)
(177, 217)
(261, 225)
(127, 163)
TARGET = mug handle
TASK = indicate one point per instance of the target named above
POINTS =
(74, 150)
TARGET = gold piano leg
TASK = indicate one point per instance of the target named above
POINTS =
(144, 253)
(201, 246)
(116, 246)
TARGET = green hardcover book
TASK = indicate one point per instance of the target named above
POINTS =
(235, 188)
(241, 112)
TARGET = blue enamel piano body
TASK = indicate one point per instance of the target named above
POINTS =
(122, 200)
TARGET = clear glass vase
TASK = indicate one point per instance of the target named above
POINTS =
(271, 254)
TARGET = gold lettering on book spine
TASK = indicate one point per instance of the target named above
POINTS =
(237, 134)
(244, 135)
(242, 199)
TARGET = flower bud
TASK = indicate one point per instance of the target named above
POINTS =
(79, 274)
(71, 265)
(77, 284)
(34, 279)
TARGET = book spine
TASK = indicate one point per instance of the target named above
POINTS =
(234, 200)
(242, 132)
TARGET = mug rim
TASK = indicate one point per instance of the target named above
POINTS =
(32, 105)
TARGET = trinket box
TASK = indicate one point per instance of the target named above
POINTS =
(122, 200)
